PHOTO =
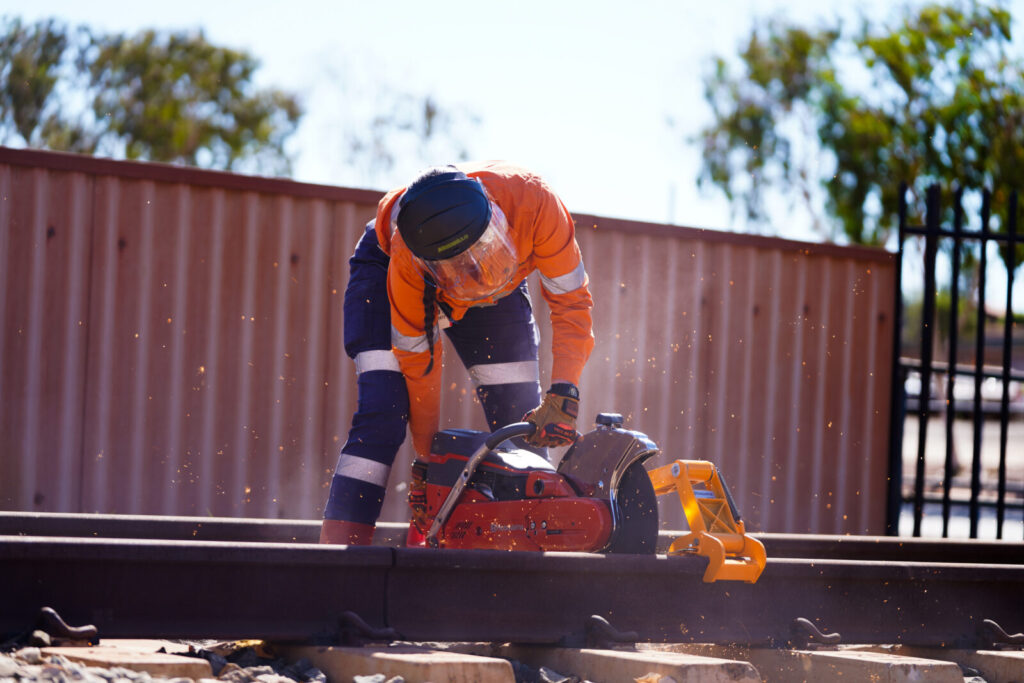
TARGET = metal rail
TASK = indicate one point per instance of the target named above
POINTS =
(131, 588)
(226, 529)
(159, 527)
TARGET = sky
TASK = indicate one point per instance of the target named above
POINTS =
(581, 92)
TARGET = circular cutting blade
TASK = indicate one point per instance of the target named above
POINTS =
(636, 529)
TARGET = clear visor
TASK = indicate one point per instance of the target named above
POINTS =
(483, 269)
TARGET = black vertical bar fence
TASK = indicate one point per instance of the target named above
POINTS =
(950, 492)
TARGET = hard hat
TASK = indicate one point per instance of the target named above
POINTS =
(442, 213)
(457, 234)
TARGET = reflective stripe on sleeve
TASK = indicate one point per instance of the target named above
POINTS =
(363, 469)
(393, 218)
(411, 344)
(376, 360)
(563, 284)
(505, 373)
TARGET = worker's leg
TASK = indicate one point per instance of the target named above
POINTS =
(499, 345)
(382, 412)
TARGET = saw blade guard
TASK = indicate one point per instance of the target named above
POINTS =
(598, 459)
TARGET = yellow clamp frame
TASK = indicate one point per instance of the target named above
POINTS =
(715, 532)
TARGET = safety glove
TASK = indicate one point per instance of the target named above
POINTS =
(555, 417)
(418, 497)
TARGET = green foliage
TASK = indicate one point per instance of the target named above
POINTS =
(29, 61)
(158, 97)
(934, 97)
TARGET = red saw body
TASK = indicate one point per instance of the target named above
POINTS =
(484, 493)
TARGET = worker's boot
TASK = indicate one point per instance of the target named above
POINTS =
(346, 533)
(419, 522)
(415, 539)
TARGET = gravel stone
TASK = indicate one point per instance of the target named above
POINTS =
(30, 671)
(242, 666)
(274, 678)
(233, 673)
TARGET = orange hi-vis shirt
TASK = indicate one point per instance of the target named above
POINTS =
(544, 237)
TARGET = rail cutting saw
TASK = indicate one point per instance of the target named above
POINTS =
(485, 493)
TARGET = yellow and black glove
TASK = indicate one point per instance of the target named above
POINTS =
(418, 497)
(555, 417)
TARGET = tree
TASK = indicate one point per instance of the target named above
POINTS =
(30, 59)
(380, 135)
(159, 97)
(934, 97)
(174, 97)
(411, 125)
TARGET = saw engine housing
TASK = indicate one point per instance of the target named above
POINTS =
(598, 499)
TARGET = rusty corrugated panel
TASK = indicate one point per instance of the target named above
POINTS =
(766, 356)
(218, 311)
(168, 338)
(172, 343)
(44, 257)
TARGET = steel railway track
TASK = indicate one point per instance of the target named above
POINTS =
(229, 529)
(218, 578)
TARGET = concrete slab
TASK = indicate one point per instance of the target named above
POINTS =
(137, 655)
(411, 663)
(616, 666)
(798, 666)
(145, 645)
(995, 666)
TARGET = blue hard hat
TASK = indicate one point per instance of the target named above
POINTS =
(442, 213)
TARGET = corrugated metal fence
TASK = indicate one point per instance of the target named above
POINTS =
(172, 344)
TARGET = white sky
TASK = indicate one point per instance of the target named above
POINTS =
(579, 91)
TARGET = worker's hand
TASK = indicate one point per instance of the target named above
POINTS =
(555, 417)
(418, 497)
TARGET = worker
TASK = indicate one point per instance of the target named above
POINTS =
(458, 244)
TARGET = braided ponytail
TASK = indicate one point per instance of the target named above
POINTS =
(429, 317)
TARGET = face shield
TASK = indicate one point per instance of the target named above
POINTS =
(481, 270)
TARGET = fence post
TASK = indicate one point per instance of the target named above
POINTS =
(932, 216)
(954, 336)
(898, 399)
(979, 363)
(1004, 413)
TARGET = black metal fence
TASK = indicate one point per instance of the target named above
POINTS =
(938, 397)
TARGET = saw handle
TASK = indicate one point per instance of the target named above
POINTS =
(490, 443)
(509, 432)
